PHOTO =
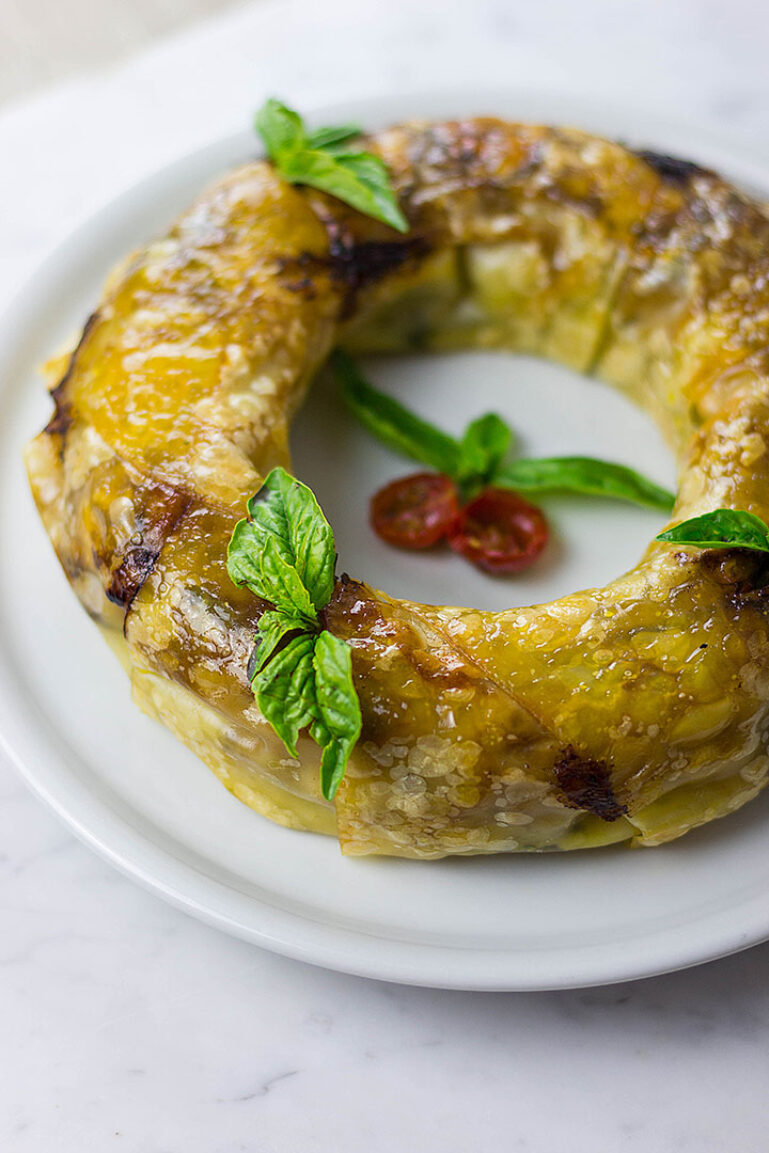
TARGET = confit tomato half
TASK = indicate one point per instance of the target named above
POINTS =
(415, 512)
(500, 532)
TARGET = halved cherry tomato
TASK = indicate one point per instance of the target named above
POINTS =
(500, 532)
(415, 512)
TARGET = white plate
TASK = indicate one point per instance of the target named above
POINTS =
(127, 788)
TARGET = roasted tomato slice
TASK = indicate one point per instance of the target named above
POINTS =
(415, 512)
(500, 532)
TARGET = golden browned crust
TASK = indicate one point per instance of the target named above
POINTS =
(634, 711)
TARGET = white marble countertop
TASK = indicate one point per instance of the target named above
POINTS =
(44, 41)
(129, 1026)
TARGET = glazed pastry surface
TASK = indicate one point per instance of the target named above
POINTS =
(631, 712)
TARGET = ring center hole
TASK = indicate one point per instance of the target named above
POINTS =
(552, 411)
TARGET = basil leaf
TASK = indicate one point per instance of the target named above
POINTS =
(332, 137)
(285, 552)
(358, 178)
(723, 528)
(273, 626)
(280, 128)
(285, 690)
(309, 683)
(256, 560)
(393, 424)
(483, 446)
(583, 474)
(476, 458)
(300, 678)
(288, 510)
(318, 159)
(281, 584)
(338, 710)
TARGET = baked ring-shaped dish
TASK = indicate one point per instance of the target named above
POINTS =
(631, 712)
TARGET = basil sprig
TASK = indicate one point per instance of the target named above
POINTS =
(584, 474)
(300, 674)
(482, 449)
(392, 423)
(722, 528)
(322, 160)
(478, 458)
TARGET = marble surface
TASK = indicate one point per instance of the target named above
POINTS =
(42, 41)
(129, 1026)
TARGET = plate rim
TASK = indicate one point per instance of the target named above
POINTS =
(34, 756)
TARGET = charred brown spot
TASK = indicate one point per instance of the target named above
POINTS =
(304, 286)
(131, 573)
(355, 264)
(352, 264)
(299, 273)
(161, 509)
(742, 573)
(60, 422)
(351, 606)
(671, 168)
(586, 784)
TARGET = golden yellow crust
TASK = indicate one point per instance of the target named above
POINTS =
(636, 711)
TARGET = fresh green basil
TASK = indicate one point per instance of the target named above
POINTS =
(255, 559)
(392, 423)
(482, 448)
(320, 160)
(258, 559)
(584, 474)
(300, 674)
(280, 128)
(338, 709)
(479, 457)
(722, 528)
(308, 683)
(332, 137)
(284, 690)
(272, 628)
(281, 583)
(285, 551)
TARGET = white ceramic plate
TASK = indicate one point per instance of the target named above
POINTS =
(126, 787)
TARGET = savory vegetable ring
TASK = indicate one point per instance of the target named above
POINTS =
(635, 711)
